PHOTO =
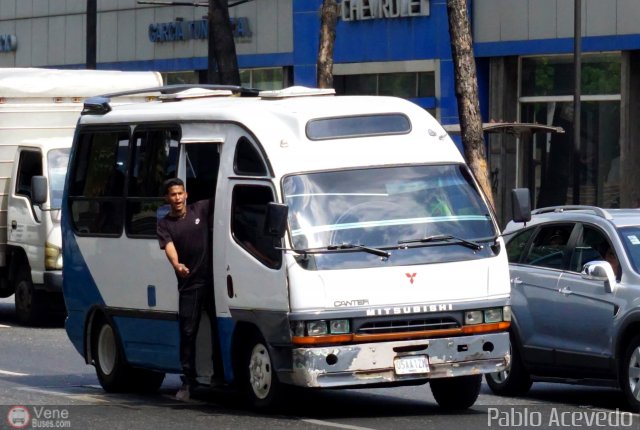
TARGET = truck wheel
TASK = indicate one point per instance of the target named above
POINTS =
(114, 374)
(29, 306)
(513, 381)
(260, 381)
(456, 393)
(630, 374)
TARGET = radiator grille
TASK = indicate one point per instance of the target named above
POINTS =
(400, 326)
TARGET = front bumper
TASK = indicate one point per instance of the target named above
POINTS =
(373, 363)
(52, 281)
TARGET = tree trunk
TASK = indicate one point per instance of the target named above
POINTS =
(467, 94)
(222, 46)
(328, 21)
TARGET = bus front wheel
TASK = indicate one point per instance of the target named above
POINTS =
(456, 393)
(261, 383)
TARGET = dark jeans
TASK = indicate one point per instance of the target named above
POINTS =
(191, 304)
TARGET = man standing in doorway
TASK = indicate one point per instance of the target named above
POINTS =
(184, 235)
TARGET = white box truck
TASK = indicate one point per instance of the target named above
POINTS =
(39, 109)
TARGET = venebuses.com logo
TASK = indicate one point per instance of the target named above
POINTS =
(20, 417)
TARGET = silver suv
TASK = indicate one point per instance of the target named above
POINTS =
(575, 295)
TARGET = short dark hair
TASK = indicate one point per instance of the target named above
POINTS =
(172, 182)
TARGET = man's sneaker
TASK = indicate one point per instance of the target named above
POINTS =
(184, 393)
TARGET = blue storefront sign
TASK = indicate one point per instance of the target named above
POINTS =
(176, 31)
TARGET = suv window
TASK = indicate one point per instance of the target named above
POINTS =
(595, 245)
(549, 246)
(592, 245)
(517, 245)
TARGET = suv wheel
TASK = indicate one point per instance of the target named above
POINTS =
(630, 374)
(514, 380)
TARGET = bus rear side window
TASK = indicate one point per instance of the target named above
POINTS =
(96, 187)
(154, 160)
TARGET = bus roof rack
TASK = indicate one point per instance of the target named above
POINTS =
(598, 211)
(99, 105)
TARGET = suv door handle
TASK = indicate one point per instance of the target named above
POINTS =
(566, 291)
(14, 224)
(516, 281)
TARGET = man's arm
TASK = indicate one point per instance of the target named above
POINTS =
(172, 255)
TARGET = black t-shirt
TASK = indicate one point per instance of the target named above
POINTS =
(191, 237)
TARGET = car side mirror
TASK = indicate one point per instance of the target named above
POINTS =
(275, 224)
(38, 190)
(520, 205)
(600, 271)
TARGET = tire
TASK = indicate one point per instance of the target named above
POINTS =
(259, 381)
(630, 374)
(457, 393)
(513, 381)
(29, 307)
(113, 372)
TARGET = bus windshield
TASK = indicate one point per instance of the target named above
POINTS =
(382, 207)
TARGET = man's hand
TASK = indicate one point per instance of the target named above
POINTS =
(182, 270)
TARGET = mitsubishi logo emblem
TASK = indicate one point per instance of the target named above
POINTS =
(410, 276)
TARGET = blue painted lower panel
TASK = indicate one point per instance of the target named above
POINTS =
(150, 343)
(225, 332)
(74, 325)
(155, 344)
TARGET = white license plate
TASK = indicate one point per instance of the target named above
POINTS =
(412, 365)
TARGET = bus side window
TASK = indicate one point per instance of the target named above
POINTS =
(202, 161)
(96, 190)
(249, 208)
(155, 151)
(247, 160)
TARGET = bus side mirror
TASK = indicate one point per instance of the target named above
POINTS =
(38, 190)
(275, 224)
(520, 205)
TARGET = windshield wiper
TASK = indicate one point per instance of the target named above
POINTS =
(444, 238)
(343, 246)
(374, 251)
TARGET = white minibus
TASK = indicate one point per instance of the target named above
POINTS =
(351, 244)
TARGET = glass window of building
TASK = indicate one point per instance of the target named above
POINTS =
(273, 78)
(406, 84)
(554, 174)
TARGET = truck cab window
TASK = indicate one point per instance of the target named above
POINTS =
(249, 209)
(30, 166)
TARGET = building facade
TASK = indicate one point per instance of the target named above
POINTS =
(398, 47)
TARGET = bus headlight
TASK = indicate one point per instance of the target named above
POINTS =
(52, 257)
(317, 328)
(487, 316)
